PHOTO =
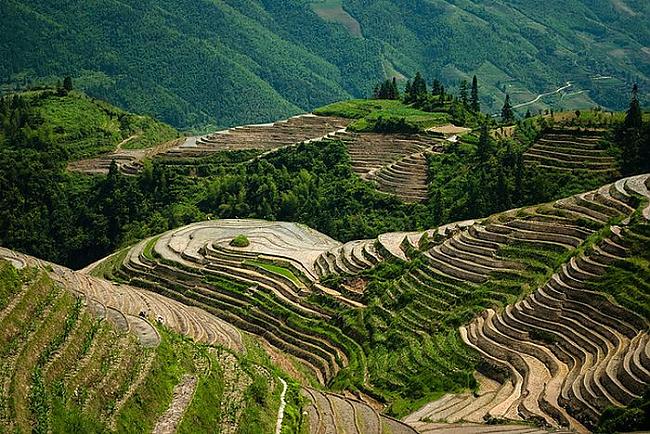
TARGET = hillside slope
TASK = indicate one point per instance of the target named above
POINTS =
(351, 314)
(239, 61)
(82, 353)
(542, 312)
(79, 125)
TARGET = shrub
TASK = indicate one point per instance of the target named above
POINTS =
(394, 125)
(240, 241)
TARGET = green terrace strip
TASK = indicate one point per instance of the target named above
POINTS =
(367, 114)
(10, 282)
(275, 269)
(148, 249)
(627, 281)
(105, 268)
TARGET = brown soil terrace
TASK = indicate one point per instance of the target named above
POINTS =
(570, 150)
(395, 163)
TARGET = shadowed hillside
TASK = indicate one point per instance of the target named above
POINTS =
(198, 63)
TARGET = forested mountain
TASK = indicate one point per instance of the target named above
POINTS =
(195, 63)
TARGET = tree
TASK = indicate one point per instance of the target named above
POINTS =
(483, 149)
(633, 119)
(633, 138)
(387, 90)
(507, 114)
(419, 85)
(418, 89)
(375, 91)
(408, 90)
(464, 98)
(474, 100)
(528, 114)
(436, 87)
(67, 83)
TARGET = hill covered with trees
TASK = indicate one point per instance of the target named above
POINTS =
(193, 64)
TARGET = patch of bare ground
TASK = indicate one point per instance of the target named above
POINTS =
(129, 161)
(263, 137)
(182, 397)
(450, 130)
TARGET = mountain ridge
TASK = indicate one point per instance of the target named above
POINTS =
(239, 61)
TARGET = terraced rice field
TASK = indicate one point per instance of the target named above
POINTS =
(53, 341)
(559, 351)
(572, 150)
(73, 345)
(571, 352)
(129, 161)
(264, 137)
(127, 306)
(197, 266)
(396, 163)
(334, 413)
(351, 258)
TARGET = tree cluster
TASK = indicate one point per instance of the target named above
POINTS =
(416, 92)
(386, 90)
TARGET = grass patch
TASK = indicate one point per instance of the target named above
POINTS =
(105, 269)
(205, 411)
(148, 248)
(276, 269)
(369, 112)
(87, 126)
(10, 282)
(173, 358)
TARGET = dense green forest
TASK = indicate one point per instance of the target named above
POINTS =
(193, 64)
(73, 219)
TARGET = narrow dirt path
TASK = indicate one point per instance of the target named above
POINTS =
(283, 404)
(183, 393)
(542, 95)
(118, 148)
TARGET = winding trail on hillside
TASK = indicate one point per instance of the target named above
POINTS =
(283, 404)
(542, 95)
(118, 148)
